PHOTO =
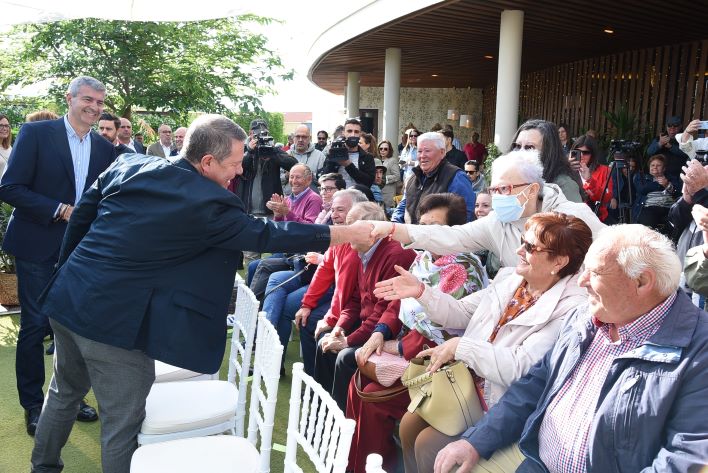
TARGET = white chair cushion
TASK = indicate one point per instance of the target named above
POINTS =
(176, 407)
(165, 373)
(217, 454)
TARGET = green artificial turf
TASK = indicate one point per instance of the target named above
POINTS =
(82, 454)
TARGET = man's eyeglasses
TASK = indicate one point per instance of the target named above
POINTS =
(329, 189)
(321, 138)
(673, 125)
(505, 189)
(518, 147)
(531, 249)
(471, 172)
(301, 137)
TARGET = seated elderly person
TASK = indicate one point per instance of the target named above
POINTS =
(518, 191)
(624, 387)
(656, 193)
(302, 205)
(287, 293)
(508, 327)
(364, 315)
(433, 175)
(457, 275)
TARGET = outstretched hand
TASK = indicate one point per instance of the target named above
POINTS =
(400, 287)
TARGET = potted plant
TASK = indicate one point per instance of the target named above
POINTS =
(8, 278)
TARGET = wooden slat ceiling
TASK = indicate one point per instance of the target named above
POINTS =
(451, 39)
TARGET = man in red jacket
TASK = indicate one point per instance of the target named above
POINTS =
(364, 315)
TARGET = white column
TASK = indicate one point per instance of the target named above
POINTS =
(352, 94)
(508, 77)
(392, 94)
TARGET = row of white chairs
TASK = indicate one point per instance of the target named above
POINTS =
(184, 420)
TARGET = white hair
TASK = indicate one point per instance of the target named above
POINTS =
(433, 137)
(355, 195)
(306, 169)
(367, 211)
(526, 163)
(638, 248)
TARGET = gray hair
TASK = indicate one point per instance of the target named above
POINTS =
(211, 134)
(308, 171)
(638, 248)
(356, 196)
(368, 211)
(526, 163)
(81, 81)
(433, 137)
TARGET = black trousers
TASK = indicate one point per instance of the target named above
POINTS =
(334, 371)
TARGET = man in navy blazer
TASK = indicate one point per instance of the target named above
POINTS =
(51, 165)
(146, 272)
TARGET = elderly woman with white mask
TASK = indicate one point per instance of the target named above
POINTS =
(518, 192)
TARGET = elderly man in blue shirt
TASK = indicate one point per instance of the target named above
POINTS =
(433, 175)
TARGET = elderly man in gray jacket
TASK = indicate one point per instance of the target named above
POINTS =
(623, 389)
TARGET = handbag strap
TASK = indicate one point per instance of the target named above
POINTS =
(382, 395)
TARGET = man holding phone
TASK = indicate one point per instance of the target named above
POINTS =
(694, 138)
(666, 143)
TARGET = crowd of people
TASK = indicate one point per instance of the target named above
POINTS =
(584, 346)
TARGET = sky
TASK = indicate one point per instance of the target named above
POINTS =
(302, 23)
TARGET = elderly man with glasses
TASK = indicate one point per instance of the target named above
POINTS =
(305, 152)
(667, 144)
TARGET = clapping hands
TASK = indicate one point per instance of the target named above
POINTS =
(278, 205)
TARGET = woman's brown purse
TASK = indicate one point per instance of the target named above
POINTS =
(446, 399)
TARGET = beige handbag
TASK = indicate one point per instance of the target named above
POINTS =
(446, 399)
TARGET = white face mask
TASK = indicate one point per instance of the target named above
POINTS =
(507, 207)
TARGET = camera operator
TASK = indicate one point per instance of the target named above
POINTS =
(355, 165)
(261, 173)
(666, 144)
(622, 190)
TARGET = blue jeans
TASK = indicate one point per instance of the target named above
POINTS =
(281, 306)
(32, 278)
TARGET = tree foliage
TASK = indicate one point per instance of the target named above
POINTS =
(208, 66)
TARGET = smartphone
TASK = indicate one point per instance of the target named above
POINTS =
(575, 154)
(703, 125)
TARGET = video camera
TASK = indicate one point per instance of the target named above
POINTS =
(620, 148)
(702, 156)
(265, 143)
(338, 150)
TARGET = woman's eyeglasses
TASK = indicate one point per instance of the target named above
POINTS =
(584, 152)
(531, 249)
(505, 189)
(383, 148)
(413, 136)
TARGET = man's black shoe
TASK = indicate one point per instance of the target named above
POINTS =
(50, 349)
(86, 413)
(32, 418)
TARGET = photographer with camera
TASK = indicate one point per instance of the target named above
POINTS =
(698, 145)
(667, 145)
(624, 167)
(347, 158)
(261, 174)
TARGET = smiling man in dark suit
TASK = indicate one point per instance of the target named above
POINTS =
(51, 164)
(146, 272)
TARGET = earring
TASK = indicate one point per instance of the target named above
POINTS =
(552, 273)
